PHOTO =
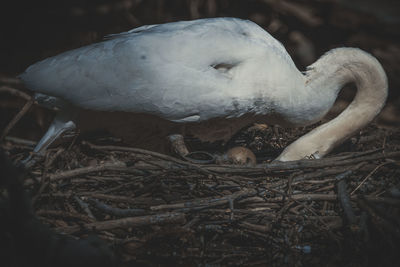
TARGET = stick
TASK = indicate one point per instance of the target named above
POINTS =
(20, 141)
(147, 152)
(254, 227)
(116, 211)
(85, 207)
(64, 214)
(108, 197)
(329, 197)
(16, 118)
(158, 219)
(15, 92)
(298, 164)
(206, 202)
(107, 166)
(10, 80)
(369, 175)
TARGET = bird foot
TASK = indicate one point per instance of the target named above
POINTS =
(31, 160)
(179, 147)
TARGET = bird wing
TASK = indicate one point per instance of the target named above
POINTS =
(245, 29)
(175, 70)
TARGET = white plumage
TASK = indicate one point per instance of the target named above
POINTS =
(197, 70)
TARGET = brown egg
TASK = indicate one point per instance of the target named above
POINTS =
(241, 156)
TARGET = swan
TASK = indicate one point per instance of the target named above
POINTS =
(189, 72)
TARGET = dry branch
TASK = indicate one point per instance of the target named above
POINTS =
(116, 211)
(299, 164)
(16, 118)
(206, 203)
(15, 92)
(110, 166)
(10, 80)
(63, 214)
(157, 219)
(150, 153)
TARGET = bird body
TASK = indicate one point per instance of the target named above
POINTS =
(194, 71)
(183, 71)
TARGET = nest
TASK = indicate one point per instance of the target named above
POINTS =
(156, 209)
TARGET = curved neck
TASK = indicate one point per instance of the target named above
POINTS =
(330, 73)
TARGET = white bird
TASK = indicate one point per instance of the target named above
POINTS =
(193, 71)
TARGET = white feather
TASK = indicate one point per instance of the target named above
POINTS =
(169, 70)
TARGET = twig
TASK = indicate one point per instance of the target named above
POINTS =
(147, 152)
(85, 207)
(63, 214)
(255, 227)
(15, 92)
(16, 118)
(352, 155)
(316, 174)
(116, 211)
(208, 202)
(296, 165)
(44, 181)
(368, 176)
(333, 197)
(107, 166)
(122, 199)
(158, 219)
(10, 80)
(261, 169)
(191, 223)
(20, 141)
